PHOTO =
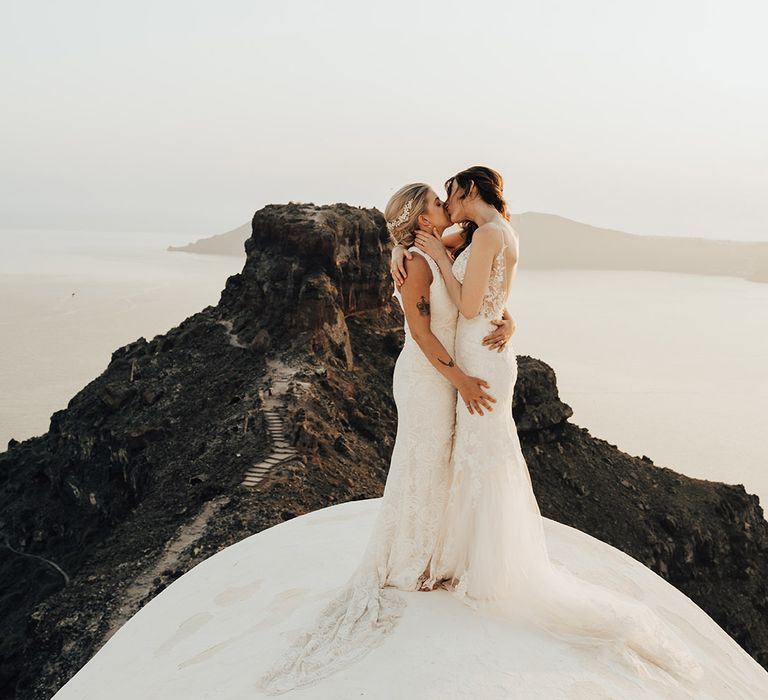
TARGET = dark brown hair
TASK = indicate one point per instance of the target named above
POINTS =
(490, 188)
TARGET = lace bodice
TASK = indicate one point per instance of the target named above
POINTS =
(495, 298)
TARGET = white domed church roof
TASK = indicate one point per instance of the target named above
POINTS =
(213, 631)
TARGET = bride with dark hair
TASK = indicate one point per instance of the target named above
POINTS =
(491, 549)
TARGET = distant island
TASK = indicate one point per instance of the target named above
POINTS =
(551, 242)
(231, 243)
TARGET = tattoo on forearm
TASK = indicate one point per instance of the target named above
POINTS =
(423, 306)
(450, 362)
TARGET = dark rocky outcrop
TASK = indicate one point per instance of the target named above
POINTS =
(139, 478)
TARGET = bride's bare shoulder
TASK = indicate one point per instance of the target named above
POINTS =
(417, 268)
(490, 236)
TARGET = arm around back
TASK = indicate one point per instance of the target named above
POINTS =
(416, 306)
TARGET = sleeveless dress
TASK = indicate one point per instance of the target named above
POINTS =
(491, 551)
(367, 608)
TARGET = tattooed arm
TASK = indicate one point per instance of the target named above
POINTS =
(415, 294)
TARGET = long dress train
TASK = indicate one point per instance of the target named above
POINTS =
(491, 551)
(366, 608)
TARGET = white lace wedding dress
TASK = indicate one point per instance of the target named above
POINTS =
(465, 518)
(491, 550)
(403, 538)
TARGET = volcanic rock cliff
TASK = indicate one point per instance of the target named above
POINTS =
(141, 476)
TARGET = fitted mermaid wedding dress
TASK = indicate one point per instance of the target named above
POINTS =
(460, 513)
(491, 549)
(403, 539)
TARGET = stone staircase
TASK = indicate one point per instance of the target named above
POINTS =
(282, 452)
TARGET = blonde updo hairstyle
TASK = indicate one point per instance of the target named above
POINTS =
(404, 233)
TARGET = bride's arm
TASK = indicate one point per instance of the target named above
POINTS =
(499, 336)
(468, 297)
(400, 254)
(452, 240)
(397, 260)
(415, 295)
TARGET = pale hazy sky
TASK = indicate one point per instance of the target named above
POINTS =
(188, 116)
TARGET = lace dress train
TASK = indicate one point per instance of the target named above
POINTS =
(367, 607)
(491, 551)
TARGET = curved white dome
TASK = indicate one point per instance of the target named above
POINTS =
(213, 631)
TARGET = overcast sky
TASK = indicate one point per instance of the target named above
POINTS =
(648, 116)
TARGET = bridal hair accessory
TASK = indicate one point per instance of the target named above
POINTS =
(400, 220)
